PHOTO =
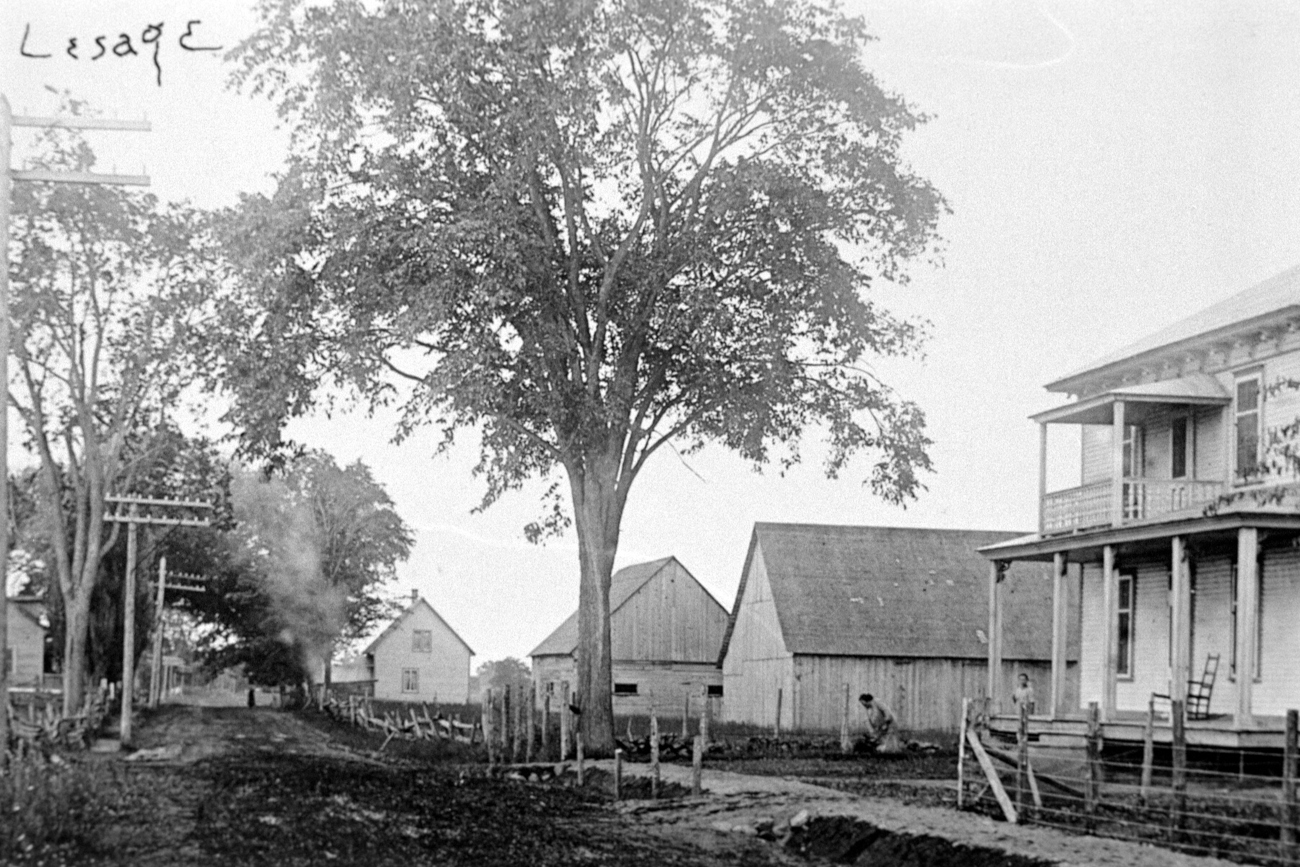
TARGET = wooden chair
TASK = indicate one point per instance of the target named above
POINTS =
(1199, 691)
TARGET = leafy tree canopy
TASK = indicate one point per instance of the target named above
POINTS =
(584, 230)
(302, 569)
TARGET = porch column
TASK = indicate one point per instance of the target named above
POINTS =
(1117, 465)
(1042, 474)
(1110, 640)
(997, 572)
(1247, 622)
(1180, 625)
(1060, 630)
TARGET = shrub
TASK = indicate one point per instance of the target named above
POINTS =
(49, 802)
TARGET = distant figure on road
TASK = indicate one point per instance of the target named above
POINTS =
(882, 736)
(1023, 694)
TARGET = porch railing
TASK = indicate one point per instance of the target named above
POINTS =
(1143, 499)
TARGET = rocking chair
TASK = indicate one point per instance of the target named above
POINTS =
(1199, 691)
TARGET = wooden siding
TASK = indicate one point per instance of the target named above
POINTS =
(672, 618)
(443, 673)
(1092, 658)
(663, 687)
(925, 694)
(1096, 458)
(1278, 689)
(757, 663)
(27, 643)
(1150, 634)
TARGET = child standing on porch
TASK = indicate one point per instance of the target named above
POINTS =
(1023, 693)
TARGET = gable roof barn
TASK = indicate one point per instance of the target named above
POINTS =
(891, 592)
(623, 585)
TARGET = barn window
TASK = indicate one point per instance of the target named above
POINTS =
(422, 641)
(625, 689)
(1124, 632)
(715, 689)
(410, 680)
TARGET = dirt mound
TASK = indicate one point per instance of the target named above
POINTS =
(845, 840)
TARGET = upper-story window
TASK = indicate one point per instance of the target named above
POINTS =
(1178, 448)
(1248, 420)
(1133, 451)
(422, 641)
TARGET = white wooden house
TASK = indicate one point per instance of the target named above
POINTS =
(25, 654)
(1183, 532)
(896, 612)
(418, 657)
(665, 633)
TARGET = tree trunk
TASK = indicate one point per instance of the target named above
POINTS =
(76, 626)
(598, 510)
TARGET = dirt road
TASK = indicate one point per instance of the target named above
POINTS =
(212, 786)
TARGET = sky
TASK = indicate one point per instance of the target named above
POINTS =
(1111, 167)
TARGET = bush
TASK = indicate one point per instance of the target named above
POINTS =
(49, 802)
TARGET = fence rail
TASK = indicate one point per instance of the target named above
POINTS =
(1247, 815)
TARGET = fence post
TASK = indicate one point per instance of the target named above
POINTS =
(618, 774)
(546, 725)
(776, 724)
(487, 722)
(697, 766)
(565, 722)
(846, 746)
(577, 741)
(532, 722)
(1022, 760)
(686, 714)
(1179, 765)
(706, 718)
(1148, 751)
(961, 753)
(1093, 779)
(654, 754)
(1289, 852)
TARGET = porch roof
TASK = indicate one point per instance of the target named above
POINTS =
(1087, 546)
(1198, 389)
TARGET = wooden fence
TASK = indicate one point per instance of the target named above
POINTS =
(408, 724)
(1201, 807)
(40, 720)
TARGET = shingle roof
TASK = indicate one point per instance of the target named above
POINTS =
(1278, 293)
(892, 591)
(626, 581)
(410, 609)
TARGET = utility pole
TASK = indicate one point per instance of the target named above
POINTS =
(187, 583)
(133, 518)
(7, 177)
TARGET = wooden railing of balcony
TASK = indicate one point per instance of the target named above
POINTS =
(1144, 499)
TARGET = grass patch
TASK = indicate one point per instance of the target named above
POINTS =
(54, 803)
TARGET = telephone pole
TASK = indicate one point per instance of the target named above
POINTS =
(133, 518)
(8, 175)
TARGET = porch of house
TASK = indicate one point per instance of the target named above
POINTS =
(1129, 727)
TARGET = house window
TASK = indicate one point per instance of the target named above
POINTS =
(1178, 449)
(715, 689)
(410, 680)
(1133, 451)
(1248, 419)
(1259, 623)
(1124, 630)
(625, 689)
(422, 641)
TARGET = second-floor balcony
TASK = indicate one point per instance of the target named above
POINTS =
(1149, 452)
(1138, 499)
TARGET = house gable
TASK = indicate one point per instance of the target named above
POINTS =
(433, 668)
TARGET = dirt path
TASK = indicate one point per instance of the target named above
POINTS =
(741, 801)
(223, 785)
